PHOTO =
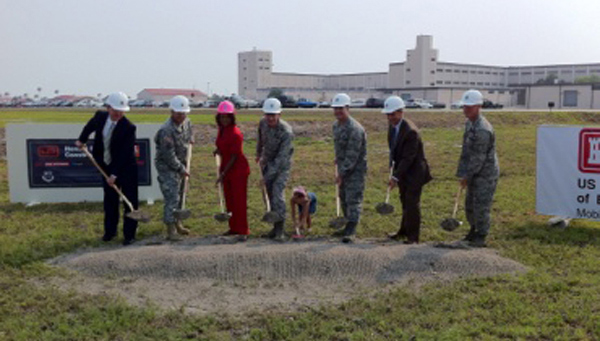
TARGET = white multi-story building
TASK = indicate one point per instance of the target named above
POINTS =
(421, 75)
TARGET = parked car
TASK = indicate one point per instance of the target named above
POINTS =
(438, 105)
(374, 103)
(358, 103)
(306, 103)
(287, 101)
(211, 104)
(422, 104)
(487, 104)
(456, 105)
(324, 104)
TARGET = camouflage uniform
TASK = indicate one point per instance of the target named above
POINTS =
(274, 148)
(479, 165)
(350, 141)
(172, 142)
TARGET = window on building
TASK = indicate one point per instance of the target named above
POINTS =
(491, 92)
(266, 68)
(447, 82)
(432, 84)
(480, 72)
(433, 59)
(581, 71)
(479, 83)
(538, 73)
(526, 73)
(513, 73)
(432, 72)
(473, 71)
(472, 83)
(487, 83)
(455, 82)
(439, 82)
(440, 70)
(260, 59)
(495, 73)
(465, 71)
(570, 98)
(448, 70)
(565, 71)
(464, 83)
(501, 92)
(487, 72)
(407, 82)
(456, 71)
(408, 70)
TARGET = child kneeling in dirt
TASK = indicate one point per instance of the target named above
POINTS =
(307, 206)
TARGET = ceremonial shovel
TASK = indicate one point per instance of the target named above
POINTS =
(385, 208)
(269, 216)
(339, 221)
(134, 214)
(223, 216)
(182, 213)
(451, 224)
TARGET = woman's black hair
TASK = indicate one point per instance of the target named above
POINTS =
(232, 116)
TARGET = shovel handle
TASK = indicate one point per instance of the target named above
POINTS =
(389, 188)
(456, 202)
(218, 163)
(264, 189)
(186, 179)
(337, 193)
(106, 177)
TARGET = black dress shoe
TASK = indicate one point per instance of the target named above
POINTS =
(128, 241)
(107, 238)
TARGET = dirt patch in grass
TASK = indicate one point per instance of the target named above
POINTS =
(216, 275)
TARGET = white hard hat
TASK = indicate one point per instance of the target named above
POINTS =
(340, 100)
(392, 104)
(472, 97)
(180, 104)
(272, 106)
(118, 101)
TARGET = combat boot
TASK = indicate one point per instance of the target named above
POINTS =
(470, 236)
(277, 232)
(172, 233)
(349, 232)
(181, 229)
(478, 241)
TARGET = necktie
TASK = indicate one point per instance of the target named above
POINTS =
(107, 138)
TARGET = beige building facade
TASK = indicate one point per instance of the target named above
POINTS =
(421, 75)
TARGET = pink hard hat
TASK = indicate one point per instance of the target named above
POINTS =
(301, 190)
(226, 108)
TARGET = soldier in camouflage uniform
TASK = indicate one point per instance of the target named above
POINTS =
(478, 169)
(350, 141)
(274, 154)
(172, 142)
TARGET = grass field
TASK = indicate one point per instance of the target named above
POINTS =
(557, 299)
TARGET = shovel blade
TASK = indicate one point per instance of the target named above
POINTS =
(450, 224)
(271, 217)
(139, 216)
(384, 208)
(338, 223)
(222, 217)
(182, 214)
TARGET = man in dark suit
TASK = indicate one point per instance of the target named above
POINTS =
(411, 171)
(114, 150)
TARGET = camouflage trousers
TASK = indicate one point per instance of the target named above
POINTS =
(351, 195)
(478, 203)
(276, 191)
(170, 185)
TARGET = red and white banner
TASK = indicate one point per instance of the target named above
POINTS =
(568, 172)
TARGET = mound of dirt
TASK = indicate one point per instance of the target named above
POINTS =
(217, 275)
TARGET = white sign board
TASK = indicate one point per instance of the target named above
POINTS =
(27, 186)
(568, 172)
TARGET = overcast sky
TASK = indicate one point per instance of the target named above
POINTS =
(101, 46)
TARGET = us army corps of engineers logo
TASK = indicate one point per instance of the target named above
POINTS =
(589, 150)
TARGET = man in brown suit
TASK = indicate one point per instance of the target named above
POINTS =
(410, 168)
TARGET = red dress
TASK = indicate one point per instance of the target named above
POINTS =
(235, 183)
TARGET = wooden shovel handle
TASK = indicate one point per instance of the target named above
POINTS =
(456, 202)
(106, 177)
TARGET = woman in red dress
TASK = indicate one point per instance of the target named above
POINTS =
(234, 169)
